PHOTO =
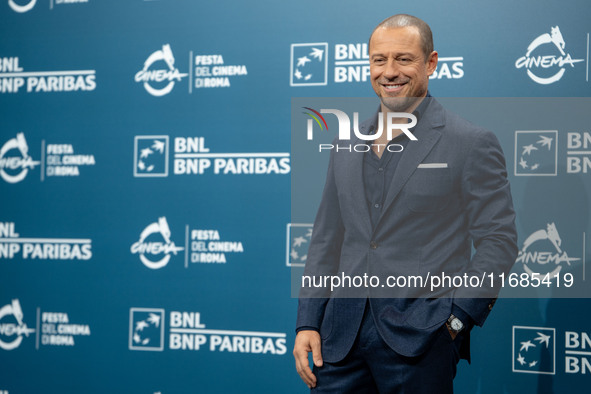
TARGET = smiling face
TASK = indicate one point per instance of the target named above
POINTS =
(399, 71)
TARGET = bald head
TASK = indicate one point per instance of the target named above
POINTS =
(405, 20)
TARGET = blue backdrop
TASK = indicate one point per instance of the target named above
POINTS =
(145, 165)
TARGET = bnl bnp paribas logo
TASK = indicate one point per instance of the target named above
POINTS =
(14, 79)
(193, 156)
(146, 329)
(309, 64)
(534, 350)
(536, 153)
(186, 331)
(15, 247)
(299, 236)
(151, 156)
(546, 59)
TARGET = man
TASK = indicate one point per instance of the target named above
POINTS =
(400, 214)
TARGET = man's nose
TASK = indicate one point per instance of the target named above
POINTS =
(392, 70)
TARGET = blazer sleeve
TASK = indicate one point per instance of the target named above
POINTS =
(491, 223)
(323, 253)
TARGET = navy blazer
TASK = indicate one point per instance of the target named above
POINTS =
(450, 192)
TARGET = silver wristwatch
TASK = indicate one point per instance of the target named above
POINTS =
(455, 324)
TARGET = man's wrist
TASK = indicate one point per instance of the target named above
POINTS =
(304, 328)
(463, 316)
(454, 324)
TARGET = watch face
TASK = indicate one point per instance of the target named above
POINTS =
(456, 325)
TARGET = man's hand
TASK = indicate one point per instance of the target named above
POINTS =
(307, 341)
(451, 332)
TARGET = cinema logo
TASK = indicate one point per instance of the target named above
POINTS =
(535, 351)
(549, 68)
(155, 247)
(542, 253)
(310, 65)
(65, 2)
(13, 78)
(13, 246)
(13, 329)
(21, 6)
(192, 156)
(185, 331)
(15, 161)
(211, 71)
(156, 79)
(61, 160)
(394, 121)
(57, 160)
(57, 329)
(208, 247)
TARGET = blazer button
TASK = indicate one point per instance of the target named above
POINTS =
(373, 245)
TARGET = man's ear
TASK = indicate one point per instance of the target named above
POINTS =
(432, 62)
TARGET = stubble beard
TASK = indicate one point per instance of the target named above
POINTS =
(399, 104)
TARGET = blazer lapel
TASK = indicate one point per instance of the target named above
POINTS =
(416, 151)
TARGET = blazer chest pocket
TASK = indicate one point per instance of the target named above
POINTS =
(429, 190)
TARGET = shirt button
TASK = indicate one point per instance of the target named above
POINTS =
(376, 205)
(380, 169)
(373, 245)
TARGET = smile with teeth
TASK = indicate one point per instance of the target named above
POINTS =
(391, 88)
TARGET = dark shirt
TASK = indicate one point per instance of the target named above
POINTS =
(378, 173)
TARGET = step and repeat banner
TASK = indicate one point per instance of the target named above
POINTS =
(146, 237)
